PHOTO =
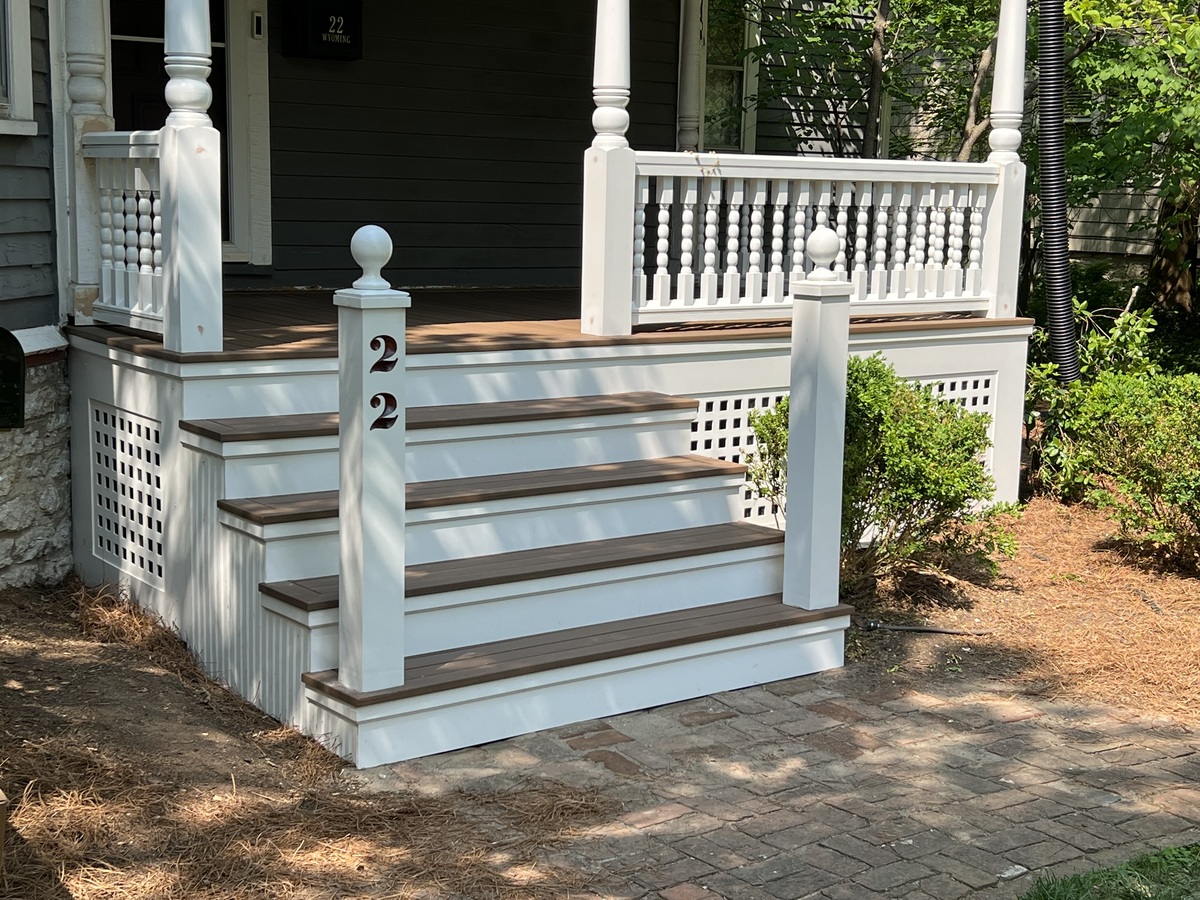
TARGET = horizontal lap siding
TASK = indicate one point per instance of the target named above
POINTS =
(27, 285)
(462, 132)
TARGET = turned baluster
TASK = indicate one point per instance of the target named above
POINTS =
(899, 286)
(104, 178)
(712, 218)
(879, 282)
(685, 292)
(799, 234)
(662, 275)
(974, 280)
(775, 278)
(732, 288)
(845, 198)
(639, 241)
(754, 256)
(862, 215)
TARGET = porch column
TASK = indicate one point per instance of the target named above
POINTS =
(371, 326)
(609, 175)
(816, 429)
(1002, 236)
(190, 180)
(87, 67)
(691, 61)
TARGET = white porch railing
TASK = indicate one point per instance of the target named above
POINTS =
(131, 227)
(723, 237)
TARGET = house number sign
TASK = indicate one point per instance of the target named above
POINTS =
(386, 362)
(323, 29)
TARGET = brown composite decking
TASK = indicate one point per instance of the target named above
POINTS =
(448, 669)
(303, 324)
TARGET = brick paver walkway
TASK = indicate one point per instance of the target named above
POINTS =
(844, 786)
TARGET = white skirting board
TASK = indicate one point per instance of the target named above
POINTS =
(464, 717)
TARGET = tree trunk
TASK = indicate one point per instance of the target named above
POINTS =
(874, 125)
(1172, 279)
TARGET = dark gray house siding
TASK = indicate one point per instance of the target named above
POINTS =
(462, 131)
(27, 285)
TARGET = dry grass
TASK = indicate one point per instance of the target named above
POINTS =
(1076, 615)
(96, 819)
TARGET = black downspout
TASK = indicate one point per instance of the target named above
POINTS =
(1056, 268)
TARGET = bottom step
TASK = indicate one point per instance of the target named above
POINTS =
(458, 698)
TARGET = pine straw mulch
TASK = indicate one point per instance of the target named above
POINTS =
(135, 777)
(1077, 614)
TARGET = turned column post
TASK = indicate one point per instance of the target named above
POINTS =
(691, 62)
(87, 91)
(371, 325)
(1002, 227)
(816, 429)
(609, 182)
(190, 179)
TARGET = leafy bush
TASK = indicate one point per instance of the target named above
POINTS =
(913, 479)
(1111, 341)
(1133, 441)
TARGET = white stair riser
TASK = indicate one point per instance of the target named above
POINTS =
(296, 465)
(504, 526)
(499, 612)
(405, 729)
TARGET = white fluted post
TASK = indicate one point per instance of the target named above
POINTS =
(371, 326)
(691, 61)
(87, 90)
(190, 181)
(609, 182)
(1002, 229)
(816, 429)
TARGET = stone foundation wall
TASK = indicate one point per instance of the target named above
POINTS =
(35, 482)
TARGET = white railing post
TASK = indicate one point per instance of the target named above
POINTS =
(816, 428)
(1004, 216)
(371, 325)
(609, 183)
(190, 180)
(87, 91)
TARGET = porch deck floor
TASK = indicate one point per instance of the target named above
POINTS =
(303, 324)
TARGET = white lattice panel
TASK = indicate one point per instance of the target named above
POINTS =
(127, 504)
(722, 431)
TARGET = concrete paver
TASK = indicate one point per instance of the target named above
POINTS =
(850, 785)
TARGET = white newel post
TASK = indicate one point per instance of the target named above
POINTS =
(1002, 230)
(609, 183)
(190, 181)
(371, 323)
(88, 93)
(816, 429)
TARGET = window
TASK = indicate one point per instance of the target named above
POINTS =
(730, 77)
(239, 109)
(16, 69)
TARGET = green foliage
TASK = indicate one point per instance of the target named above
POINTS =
(913, 478)
(767, 466)
(1057, 415)
(1171, 874)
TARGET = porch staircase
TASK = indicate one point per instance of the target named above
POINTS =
(566, 558)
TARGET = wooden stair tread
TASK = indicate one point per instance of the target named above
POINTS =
(448, 669)
(281, 508)
(258, 428)
(312, 594)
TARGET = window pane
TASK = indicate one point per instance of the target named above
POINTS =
(723, 108)
(726, 32)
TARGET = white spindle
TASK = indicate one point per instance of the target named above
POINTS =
(732, 287)
(900, 242)
(862, 214)
(883, 206)
(145, 292)
(712, 218)
(662, 275)
(639, 241)
(799, 233)
(119, 236)
(937, 284)
(104, 180)
(845, 198)
(975, 255)
(686, 284)
(754, 256)
(779, 201)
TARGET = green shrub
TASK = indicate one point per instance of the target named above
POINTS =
(1134, 442)
(913, 479)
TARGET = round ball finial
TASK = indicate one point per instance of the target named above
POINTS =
(823, 245)
(371, 248)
